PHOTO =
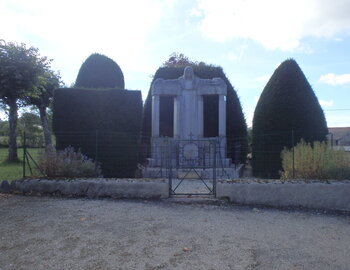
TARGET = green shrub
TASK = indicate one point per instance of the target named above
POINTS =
(67, 163)
(287, 111)
(99, 71)
(316, 161)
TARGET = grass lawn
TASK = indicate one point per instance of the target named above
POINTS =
(14, 170)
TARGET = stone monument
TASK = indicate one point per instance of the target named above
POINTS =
(188, 147)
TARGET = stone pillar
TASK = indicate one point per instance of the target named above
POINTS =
(222, 115)
(200, 112)
(177, 116)
(155, 116)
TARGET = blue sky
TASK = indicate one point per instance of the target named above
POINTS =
(248, 38)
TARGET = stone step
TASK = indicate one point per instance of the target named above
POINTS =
(195, 173)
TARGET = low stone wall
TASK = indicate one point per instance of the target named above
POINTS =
(93, 188)
(331, 195)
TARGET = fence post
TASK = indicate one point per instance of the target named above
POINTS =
(170, 168)
(214, 169)
(293, 149)
(331, 139)
(24, 155)
(96, 150)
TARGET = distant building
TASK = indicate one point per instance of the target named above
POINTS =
(340, 137)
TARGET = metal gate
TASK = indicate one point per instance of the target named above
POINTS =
(192, 167)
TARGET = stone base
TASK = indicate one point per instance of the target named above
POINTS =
(222, 163)
(208, 173)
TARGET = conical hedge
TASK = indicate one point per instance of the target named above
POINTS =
(287, 111)
(99, 71)
(236, 127)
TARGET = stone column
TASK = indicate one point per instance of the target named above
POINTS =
(222, 115)
(155, 116)
(222, 126)
(177, 116)
(200, 117)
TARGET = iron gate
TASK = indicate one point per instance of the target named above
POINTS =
(192, 167)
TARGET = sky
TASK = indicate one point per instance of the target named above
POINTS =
(247, 38)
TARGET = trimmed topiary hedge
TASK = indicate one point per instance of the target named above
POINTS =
(287, 111)
(103, 123)
(236, 127)
(99, 71)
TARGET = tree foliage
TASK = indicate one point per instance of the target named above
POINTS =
(20, 69)
(178, 60)
(287, 111)
(48, 82)
(99, 71)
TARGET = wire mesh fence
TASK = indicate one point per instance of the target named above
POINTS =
(269, 154)
(14, 169)
(122, 155)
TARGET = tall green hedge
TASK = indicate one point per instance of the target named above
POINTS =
(236, 127)
(99, 71)
(103, 123)
(287, 111)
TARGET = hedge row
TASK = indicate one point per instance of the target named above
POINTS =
(287, 111)
(100, 71)
(103, 123)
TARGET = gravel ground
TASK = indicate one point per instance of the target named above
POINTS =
(58, 233)
(192, 186)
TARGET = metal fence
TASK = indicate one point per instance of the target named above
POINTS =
(126, 154)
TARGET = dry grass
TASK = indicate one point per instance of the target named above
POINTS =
(316, 161)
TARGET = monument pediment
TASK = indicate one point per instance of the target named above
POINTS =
(189, 81)
(166, 87)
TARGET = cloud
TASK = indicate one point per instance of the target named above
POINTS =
(275, 24)
(333, 79)
(72, 30)
(195, 13)
(263, 79)
(326, 103)
(230, 56)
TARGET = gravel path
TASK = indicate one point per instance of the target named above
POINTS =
(192, 185)
(55, 233)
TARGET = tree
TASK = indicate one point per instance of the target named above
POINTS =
(20, 68)
(30, 123)
(48, 82)
(287, 111)
(178, 60)
(99, 71)
(4, 128)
